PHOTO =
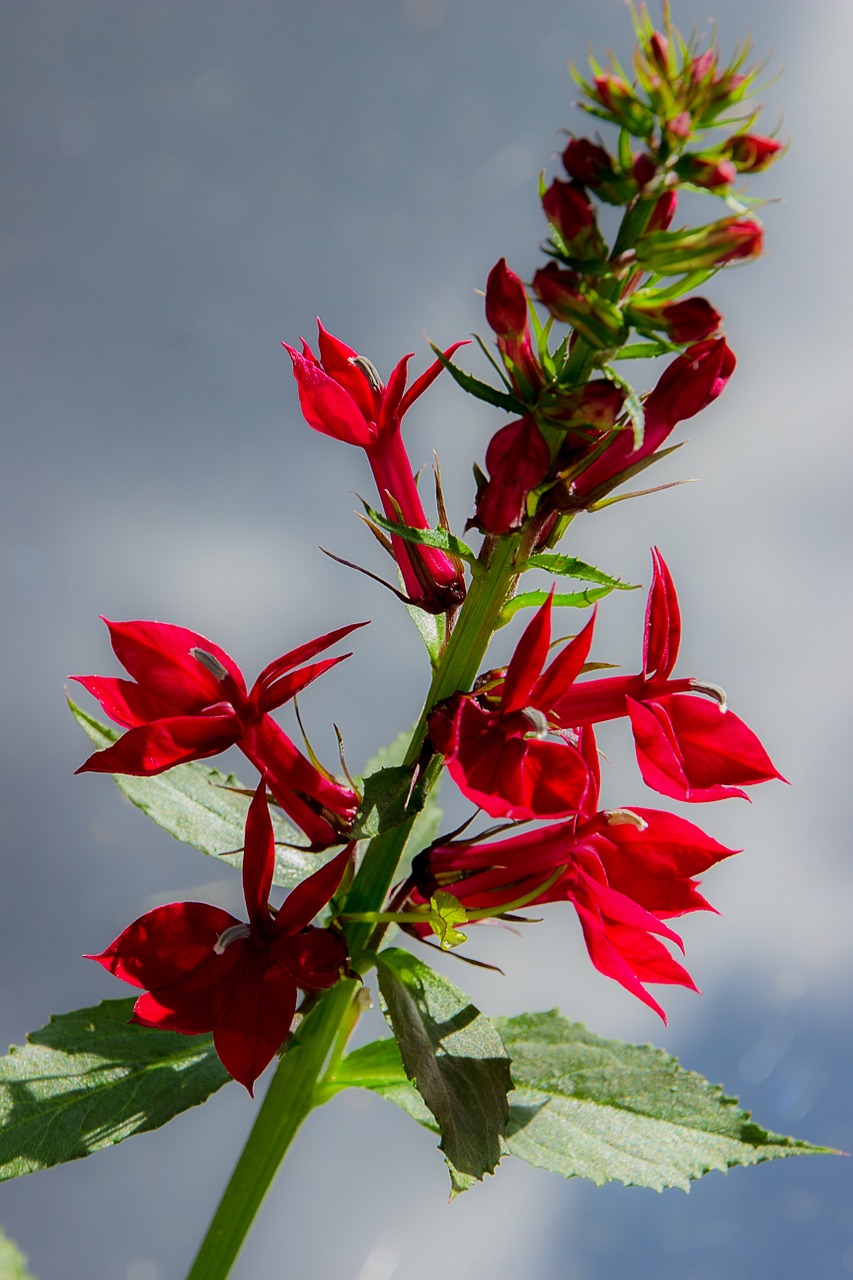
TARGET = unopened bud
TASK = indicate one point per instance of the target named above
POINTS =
(562, 292)
(506, 302)
(672, 252)
(689, 320)
(569, 210)
(709, 172)
(750, 152)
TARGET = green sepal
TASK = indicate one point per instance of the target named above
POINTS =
(440, 539)
(535, 599)
(570, 567)
(204, 808)
(90, 1079)
(432, 629)
(480, 390)
(455, 1059)
(598, 1109)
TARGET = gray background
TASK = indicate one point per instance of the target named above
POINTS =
(187, 184)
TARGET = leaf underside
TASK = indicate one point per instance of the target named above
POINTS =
(598, 1109)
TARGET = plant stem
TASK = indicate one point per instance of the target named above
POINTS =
(288, 1101)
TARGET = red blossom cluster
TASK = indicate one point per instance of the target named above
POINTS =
(522, 747)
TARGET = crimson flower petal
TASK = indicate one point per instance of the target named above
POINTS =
(259, 862)
(326, 406)
(558, 679)
(662, 636)
(255, 1017)
(166, 945)
(157, 746)
(315, 957)
(294, 658)
(309, 897)
(157, 655)
(528, 660)
(125, 702)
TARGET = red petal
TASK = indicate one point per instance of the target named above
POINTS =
(427, 378)
(389, 410)
(280, 691)
(294, 658)
(304, 902)
(527, 661)
(157, 655)
(157, 746)
(255, 1017)
(560, 676)
(125, 702)
(327, 407)
(315, 957)
(663, 622)
(669, 846)
(337, 360)
(259, 861)
(608, 959)
(166, 945)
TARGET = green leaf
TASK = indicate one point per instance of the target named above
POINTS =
(13, 1264)
(427, 823)
(445, 913)
(387, 801)
(455, 1058)
(88, 1080)
(647, 350)
(440, 539)
(534, 599)
(599, 1109)
(482, 390)
(204, 808)
(569, 567)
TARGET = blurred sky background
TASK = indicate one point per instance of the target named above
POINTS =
(186, 184)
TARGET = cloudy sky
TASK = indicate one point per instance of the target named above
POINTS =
(187, 184)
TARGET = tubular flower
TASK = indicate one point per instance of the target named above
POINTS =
(341, 395)
(690, 383)
(518, 459)
(190, 701)
(624, 871)
(688, 746)
(204, 970)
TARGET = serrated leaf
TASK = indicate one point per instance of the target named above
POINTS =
(535, 599)
(388, 800)
(455, 1058)
(440, 539)
(481, 390)
(202, 807)
(427, 823)
(599, 1109)
(13, 1264)
(88, 1080)
(569, 567)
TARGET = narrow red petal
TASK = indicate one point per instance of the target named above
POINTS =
(527, 661)
(662, 636)
(562, 673)
(125, 702)
(304, 902)
(259, 861)
(157, 746)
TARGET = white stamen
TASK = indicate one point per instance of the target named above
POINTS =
(713, 691)
(207, 660)
(230, 935)
(538, 722)
(625, 818)
(368, 368)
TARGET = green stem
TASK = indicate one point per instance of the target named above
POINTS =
(289, 1099)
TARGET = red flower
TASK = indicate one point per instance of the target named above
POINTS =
(342, 396)
(190, 701)
(688, 746)
(690, 383)
(205, 970)
(518, 459)
(624, 871)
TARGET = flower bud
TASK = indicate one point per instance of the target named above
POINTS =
(702, 248)
(663, 212)
(617, 98)
(506, 302)
(750, 152)
(689, 320)
(569, 210)
(598, 404)
(587, 162)
(562, 292)
(518, 459)
(709, 172)
(644, 169)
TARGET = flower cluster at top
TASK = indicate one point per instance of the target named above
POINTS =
(519, 742)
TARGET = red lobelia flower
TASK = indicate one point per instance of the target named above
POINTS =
(204, 970)
(190, 701)
(342, 396)
(689, 745)
(624, 871)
